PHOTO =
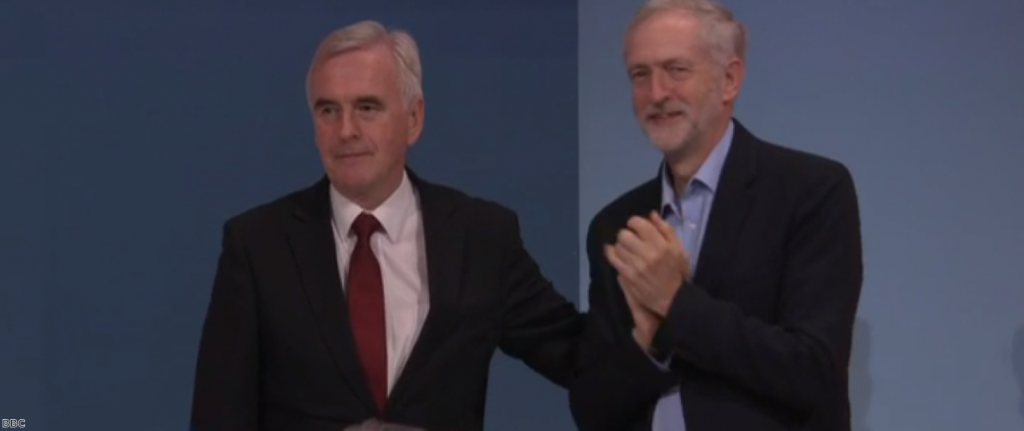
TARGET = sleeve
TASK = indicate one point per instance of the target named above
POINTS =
(226, 387)
(805, 354)
(541, 327)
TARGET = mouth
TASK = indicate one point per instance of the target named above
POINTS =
(352, 155)
(664, 117)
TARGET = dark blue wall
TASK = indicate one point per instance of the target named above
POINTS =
(129, 131)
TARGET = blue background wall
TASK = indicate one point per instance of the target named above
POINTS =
(130, 131)
(922, 100)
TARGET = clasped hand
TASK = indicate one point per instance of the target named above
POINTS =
(651, 264)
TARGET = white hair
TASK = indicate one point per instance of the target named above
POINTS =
(365, 34)
(726, 37)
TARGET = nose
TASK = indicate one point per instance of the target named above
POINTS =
(349, 128)
(659, 89)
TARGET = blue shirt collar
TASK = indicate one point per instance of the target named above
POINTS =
(707, 175)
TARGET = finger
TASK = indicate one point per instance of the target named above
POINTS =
(646, 230)
(643, 276)
(629, 241)
(666, 230)
(631, 270)
(631, 249)
(636, 309)
(639, 274)
(632, 291)
(674, 243)
(614, 257)
(635, 264)
(636, 294)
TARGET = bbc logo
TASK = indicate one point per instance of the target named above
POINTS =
(14, 423)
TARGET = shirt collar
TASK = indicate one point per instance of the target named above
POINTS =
(708, 173)
(391, 214)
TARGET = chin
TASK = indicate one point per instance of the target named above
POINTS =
(668, 141)
(673, 147)
(351, 179)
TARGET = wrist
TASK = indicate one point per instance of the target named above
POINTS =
(643, 339)
(661, 308)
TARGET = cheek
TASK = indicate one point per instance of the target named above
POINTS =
(682, 90)
(640, 101)
(712, 88)
(324, 135)
(398, 129)
(393, 143)
(387, 137)
(705, 101)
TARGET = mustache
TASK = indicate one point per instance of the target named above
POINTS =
(666, 107)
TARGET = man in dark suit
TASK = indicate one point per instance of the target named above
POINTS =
(373, 296)
(723, 292)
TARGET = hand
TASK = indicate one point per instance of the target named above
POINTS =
(645, 322)
(651, 262)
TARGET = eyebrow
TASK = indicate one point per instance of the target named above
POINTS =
(370, 100)
(321, 102)
(361, 100)
(678, 61)
(675, 60)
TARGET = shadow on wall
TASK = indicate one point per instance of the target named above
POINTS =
(1017, 362)
(860, 377)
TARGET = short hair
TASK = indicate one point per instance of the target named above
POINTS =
(368, 33)
(725, 35)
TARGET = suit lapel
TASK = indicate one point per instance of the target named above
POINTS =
(648, 200)
(312, 240)
(444, 240)
(730, 209)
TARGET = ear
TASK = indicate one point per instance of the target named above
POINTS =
(734, 72)
(415, 118)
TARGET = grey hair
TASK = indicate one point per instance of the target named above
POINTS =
(725, 35)
(365, 34)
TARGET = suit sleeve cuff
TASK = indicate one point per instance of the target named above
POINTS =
(682, 314)
(644, 371)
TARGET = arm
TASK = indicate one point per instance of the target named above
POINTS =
(541, 327)
(227, 370)
(616, 382)
(806, 354)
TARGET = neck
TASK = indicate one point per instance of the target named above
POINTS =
(372, 197)
(685, 162)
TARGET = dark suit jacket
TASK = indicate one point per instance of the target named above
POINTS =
(760, 339)
(277, 351)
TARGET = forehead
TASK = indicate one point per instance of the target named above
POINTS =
(665, 36)
(367, 71)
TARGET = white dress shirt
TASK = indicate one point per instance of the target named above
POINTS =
(399, 248)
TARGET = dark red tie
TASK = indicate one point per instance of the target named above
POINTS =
(366, 308)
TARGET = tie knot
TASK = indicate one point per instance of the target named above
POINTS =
(365, 225)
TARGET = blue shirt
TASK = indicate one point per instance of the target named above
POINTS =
(688, 214)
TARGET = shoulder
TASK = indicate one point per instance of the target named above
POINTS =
(469, 210)
(267, 216)
(799, 166)
(606, 222)
(799, 174)
(800, 183)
